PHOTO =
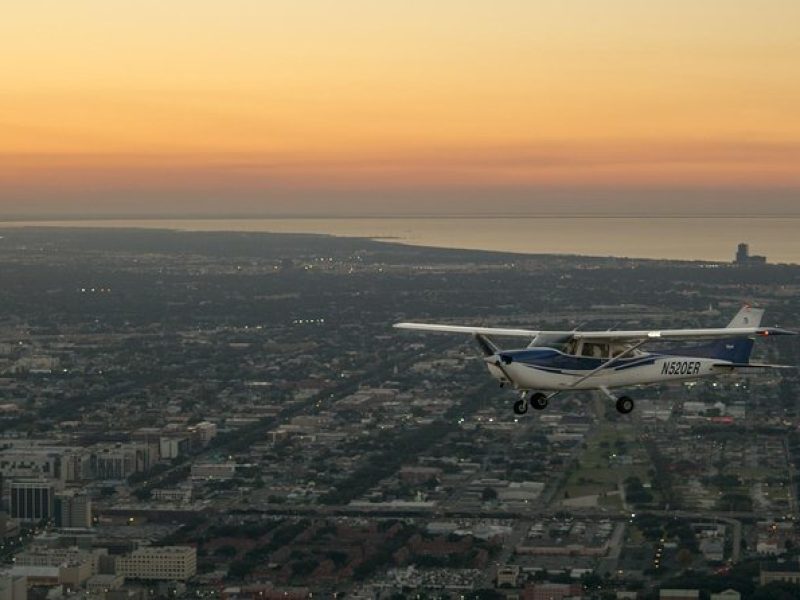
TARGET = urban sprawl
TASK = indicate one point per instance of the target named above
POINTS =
(203, 415)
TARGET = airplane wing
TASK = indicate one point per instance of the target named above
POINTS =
(473, 330)
(681, 334)
(608, 336)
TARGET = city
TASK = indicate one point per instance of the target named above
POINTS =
(231, 415)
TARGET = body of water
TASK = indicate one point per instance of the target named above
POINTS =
(680, 238)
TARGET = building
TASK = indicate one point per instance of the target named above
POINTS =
(169, 563)
(172, 447)
(265, 591)
(679, 595)
(100, 585)
(45, 566)
(744, 259)
(180, 494)
(38, 459)
(13, 587)
(37, 576)
(30, 463)
(213, 471)
(41, 556)
(206, 431)
(520, 492)
(32, 500)
(552, 591)
(779, 571)
(73, 509)
(418, 475)
(119, 461)
(74, 574)
(726, 595)
(508, 576)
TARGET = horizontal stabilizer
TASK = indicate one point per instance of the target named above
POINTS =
(753, 366)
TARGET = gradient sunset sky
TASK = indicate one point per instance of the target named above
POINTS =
(343, 107)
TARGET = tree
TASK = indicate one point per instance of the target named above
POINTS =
(777, 590)
(685, 558)
(227, 551)
(488, 494)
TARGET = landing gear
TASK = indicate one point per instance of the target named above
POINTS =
(538, 401)
(624, 404)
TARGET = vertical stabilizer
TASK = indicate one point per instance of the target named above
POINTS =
(747, 317)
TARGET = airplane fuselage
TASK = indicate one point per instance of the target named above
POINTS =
(548, 369)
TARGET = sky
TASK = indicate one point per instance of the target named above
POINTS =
(358, 107)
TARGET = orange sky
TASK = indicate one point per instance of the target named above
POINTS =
(200, 106)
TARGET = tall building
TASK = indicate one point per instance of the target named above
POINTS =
(32, 500)
(119, 461)
(745, 259)
(168, 563)
(73, 509)
(742, 253)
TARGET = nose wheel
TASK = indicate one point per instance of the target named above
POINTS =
(537, 400)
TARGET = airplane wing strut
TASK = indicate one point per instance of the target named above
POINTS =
(608, 363)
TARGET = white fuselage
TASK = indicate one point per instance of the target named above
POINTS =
(644, 369)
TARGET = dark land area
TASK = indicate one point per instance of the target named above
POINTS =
(241, 402)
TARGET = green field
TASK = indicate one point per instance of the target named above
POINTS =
(601, 470)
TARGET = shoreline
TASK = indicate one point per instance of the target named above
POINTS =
(630, 237)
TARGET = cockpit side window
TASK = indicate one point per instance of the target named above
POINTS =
(593, 350)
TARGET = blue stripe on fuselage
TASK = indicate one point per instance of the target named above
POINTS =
(555, 361)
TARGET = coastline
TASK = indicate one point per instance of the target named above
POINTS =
(660, 238)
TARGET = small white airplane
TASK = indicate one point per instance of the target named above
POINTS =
(559, 361)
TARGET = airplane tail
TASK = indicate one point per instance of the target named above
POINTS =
(747, 317)
(733, 350)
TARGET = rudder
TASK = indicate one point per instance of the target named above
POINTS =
(747, 317)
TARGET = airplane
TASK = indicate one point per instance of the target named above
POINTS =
(558, 361)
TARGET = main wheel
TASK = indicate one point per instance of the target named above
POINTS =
(520, 406)
(539, 401)
(624, 404)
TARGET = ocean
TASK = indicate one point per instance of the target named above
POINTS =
(681, 238)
